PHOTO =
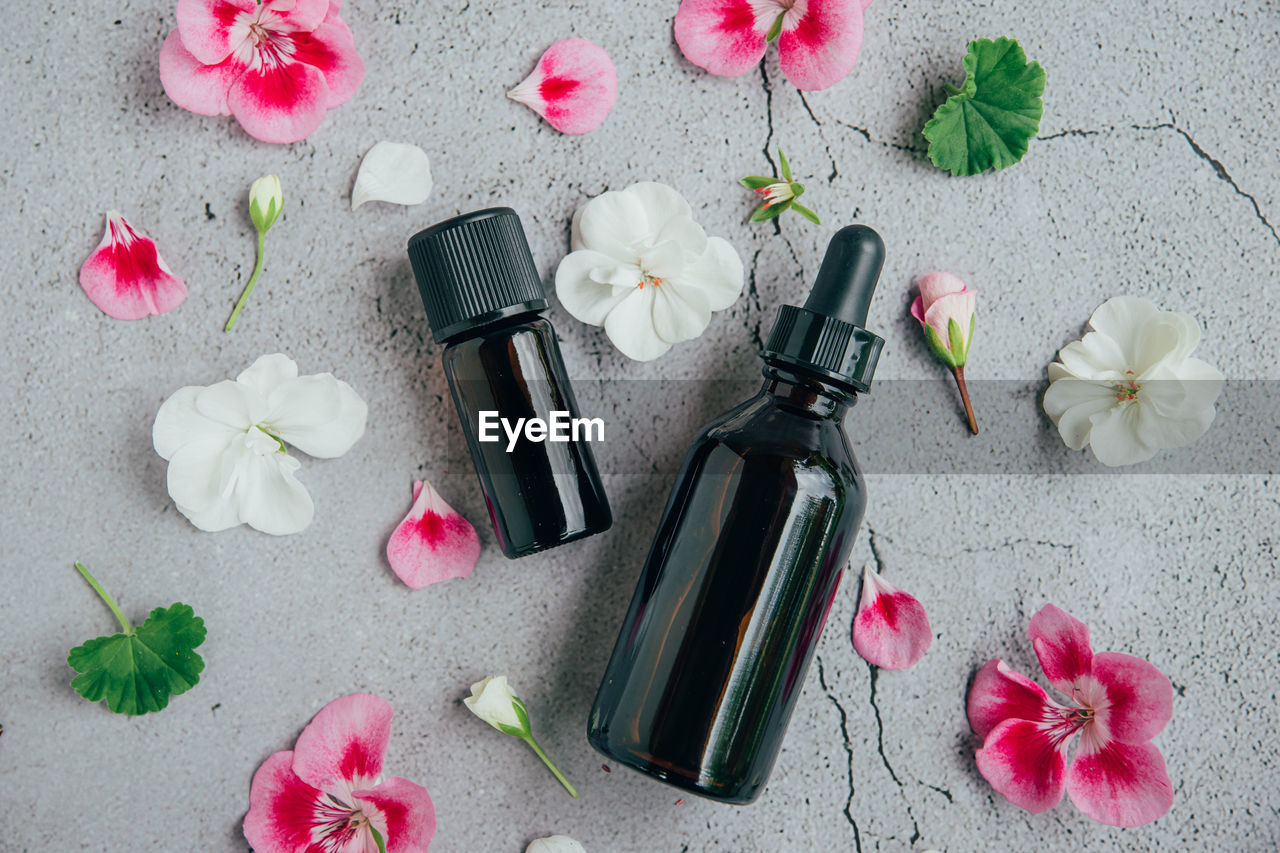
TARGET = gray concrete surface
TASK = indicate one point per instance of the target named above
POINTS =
(1156, 174)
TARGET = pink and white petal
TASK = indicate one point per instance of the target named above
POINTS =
(1061, 643)
(403, 812)
(1119, 784)
(269, 495)
(951, 306)
(331, 48)
(1072, 404)
(1139, 697)
(820, 46)
(891, 628)
(725, 37)
(294, 15)
(679, 313)
(193, 85)
(573, 86)
(195, 482)
(1116, 437)
(126, 277)
(343, 746)
(1026, 763)
(211, 30)
(268, 373)
(1000, 693)
(279, 102)
(630, 326)
(433, 543)
(935, 285)
(282, 808)
(917, 309)
(179, 423)
(590, 284)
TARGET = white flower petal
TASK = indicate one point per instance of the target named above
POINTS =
(1071, 403)
(630, 326)
(179, 422)
(394, 172)
(231, 403)
(271, 499)
(267, 373)
(555, 844)
(1116, 439)
(664, 260)
(1120, 317)
(679, 314)
(195, 481)
(686, 232)
(320, 415)
(717, 273)
(661, 204)
(493, 701)
(582, 291)
(1164, 340)
(613, 223)
(1095, 356)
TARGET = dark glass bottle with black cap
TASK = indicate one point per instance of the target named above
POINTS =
(752, 544)
(484, 299)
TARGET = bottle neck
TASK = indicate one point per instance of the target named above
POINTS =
(806, 392)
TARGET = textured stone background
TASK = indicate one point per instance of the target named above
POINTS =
(1156, 173)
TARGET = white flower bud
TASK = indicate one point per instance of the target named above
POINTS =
(265, 202)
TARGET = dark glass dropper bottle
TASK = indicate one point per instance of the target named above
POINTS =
(752, 544)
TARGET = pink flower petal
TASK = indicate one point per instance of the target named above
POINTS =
(126, 277)
(891, 629)
(212, 29)
(433, 543)
(952, 306)
(279, 101)
(296, 15)
(1026, 762)
(726, 37)
(331, 48)
(343, 745)
(1139, 698)
(574, 86)
(282, 808)
(1000, 693)
(821, 46)
(1062, 644)
(191, 84)
(404, 812)
(936, 285)
(1119, 784)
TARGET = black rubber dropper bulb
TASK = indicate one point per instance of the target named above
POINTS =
(847, 280)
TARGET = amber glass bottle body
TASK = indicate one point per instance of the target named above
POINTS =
(540, 494)
(733, 596)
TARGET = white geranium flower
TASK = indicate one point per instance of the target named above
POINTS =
(555, 844)
(1130, 387)
(225, 444)
(643, 269)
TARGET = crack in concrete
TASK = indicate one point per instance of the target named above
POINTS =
(866, 134)
(835, 171)
(848, 750)
(768, 112)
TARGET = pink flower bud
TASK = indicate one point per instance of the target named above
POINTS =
(945, 309)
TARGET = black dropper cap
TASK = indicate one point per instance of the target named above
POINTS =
(474, 269)
(826, 336)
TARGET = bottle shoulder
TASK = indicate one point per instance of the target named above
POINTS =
(762, 429)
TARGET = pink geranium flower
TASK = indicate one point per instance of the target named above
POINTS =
(1117, 703)
(126, 277)
(328, 793)
(277, 67)
(818, 40)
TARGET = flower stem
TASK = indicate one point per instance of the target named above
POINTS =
(253, 279)
(964, 395)
(533, 744)
(102, 593)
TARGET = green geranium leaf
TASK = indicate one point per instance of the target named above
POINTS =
(806, 213)
(137, 670)
(756, 182)
(989, 121)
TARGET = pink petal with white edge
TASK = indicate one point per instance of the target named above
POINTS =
(726, 37)
(819, 46)
(283, 809)
(331, 48)
(1000, 693)
(299, 15)
(891, 629)
(933, 287)
(191, 84)
(1139, 698)
(403, 812)
(953, 306)
(1026, 762)
(279, 101)
(1061, 643)
(212, 29)
(126, 277)
(343, 746)
(574, 86)
(1119, 784)
(433, 543)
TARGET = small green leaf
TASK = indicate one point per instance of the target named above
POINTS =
(959, 347)
(377, 839)
(756, 182)
(938, 347)
(806, 213)
(137, 670)
(775, 29)
(784, 165)
(797, 189)
(987, 123)
(764, 214)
